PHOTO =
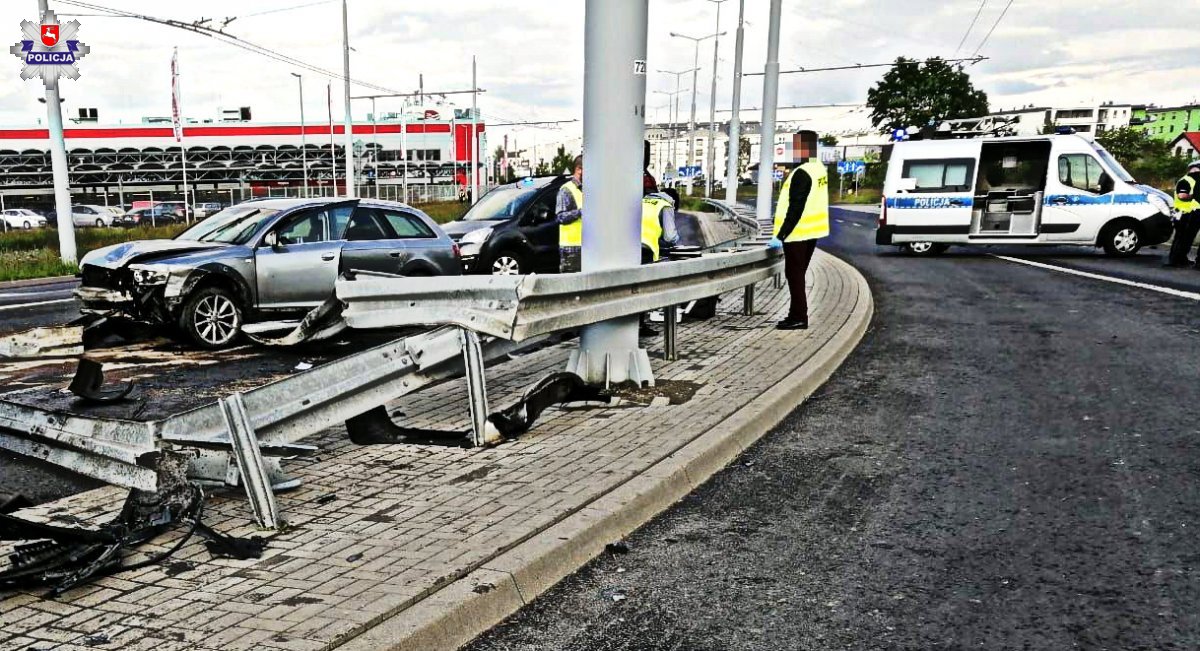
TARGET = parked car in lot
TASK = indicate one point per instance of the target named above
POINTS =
(83, 215)
(21, 218)
(155, 215)
(202, 210)
(511, 229)
(261, 260)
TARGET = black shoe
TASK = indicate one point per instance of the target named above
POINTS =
(788, 324)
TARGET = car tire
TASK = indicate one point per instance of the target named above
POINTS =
(99, 223)
(1123, 239)
(508, 263)
(27, 225)
(924, 249)
(211, 318)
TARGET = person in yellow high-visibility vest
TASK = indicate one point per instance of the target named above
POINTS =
(801, 218)
(1187, 224)
(568, 212)
(658, 226)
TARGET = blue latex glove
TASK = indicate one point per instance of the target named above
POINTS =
(774, 243)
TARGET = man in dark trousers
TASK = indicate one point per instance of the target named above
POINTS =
(801, 218)
(1187, 202)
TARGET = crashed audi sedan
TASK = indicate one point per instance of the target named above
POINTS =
(260, 260)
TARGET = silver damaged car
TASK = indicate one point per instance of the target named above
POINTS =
(260, 260)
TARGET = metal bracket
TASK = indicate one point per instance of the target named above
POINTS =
(477, 389)
(748, 301)
(250, 462)
(670, 327)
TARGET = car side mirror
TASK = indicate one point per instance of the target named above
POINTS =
(907, 185)
(539, 214)
(1106, 183)
(272, 240)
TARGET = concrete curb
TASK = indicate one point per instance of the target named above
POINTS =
(34, 282)
(470, 606)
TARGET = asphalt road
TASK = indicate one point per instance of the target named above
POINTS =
(1008, 461)
(44, 304)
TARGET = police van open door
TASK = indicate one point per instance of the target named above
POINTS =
(934, 194)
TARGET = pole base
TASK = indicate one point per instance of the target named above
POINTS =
(630, 365)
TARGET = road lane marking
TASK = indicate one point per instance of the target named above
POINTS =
(38, 304)
(1179, 293)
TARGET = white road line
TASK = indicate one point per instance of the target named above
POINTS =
(1119, 281)
(38, 304)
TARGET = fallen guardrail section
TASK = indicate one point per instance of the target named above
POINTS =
(241, 438)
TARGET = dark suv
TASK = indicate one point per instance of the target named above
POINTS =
(511, 229)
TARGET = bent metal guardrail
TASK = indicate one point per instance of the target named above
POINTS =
(476, 319)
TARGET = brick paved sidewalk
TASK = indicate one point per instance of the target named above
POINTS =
(408, 521)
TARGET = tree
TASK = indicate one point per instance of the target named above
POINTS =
(562, 162)
(510, 175)
(829, 140)
(743, 154)
(915, 94)
(1147, 159)
(1125, 144)
(543, 169)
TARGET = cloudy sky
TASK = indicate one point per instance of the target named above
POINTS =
(1060, 52)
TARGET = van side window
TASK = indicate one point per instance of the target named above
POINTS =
(941, 175)
(1080, 171)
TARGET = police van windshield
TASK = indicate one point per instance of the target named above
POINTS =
(505, 202)
(1112, 164)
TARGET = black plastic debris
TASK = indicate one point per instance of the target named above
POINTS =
(88, 383)
(558, 388)
(98, 639)
(377, 427)
(619, 547)
(354, 558)
(223, 546)
(326, 498)
(10, 502)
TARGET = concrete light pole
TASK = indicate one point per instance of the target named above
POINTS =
(474, 133)
(303, 137)
(735, 122)
(674, 122)
(351, 190)
(614, 127)
(58, 162)
(691, 157)
(766, 160)
(710, 171)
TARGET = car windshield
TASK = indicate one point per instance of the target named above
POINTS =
(235, 225)
(503, 203)
(1113, 165)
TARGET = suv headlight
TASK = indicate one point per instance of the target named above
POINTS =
(150, 274)
(477, 236)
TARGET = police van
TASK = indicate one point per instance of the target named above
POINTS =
(1048, 190)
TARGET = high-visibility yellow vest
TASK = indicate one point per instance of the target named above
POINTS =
(1191, 205)
(572, 234)
(652, 229)
(814, 222)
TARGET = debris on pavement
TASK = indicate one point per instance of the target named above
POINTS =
(10, 502)
(304, 366)
(483, 588)
(326, 498)
(322, 322)
(376, 427)
(554, 389)
(619, 547)
(89, 380)
(58, 341)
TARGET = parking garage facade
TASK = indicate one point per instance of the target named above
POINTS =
(229, 162)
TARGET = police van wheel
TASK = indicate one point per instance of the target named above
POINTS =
(508, 263)
(923, 248)
(1122, 240)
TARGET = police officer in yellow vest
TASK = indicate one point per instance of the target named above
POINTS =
(801, 218)
(568, 212)
(1187, 225)
(658, 225)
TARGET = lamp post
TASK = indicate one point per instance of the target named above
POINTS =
(711, 169)
(766, 161)
(673, 118)
(351, 190)
(303, 138)
(674, 135)
(735, 122)
(691, 157)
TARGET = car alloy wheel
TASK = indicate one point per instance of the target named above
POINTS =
(99, 223)
(506, 265)
(1125, 241)
(216, 320)
(27, 226)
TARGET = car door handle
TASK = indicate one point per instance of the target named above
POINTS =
(1059, 201)
(957, 202)
(396, 254)
(327, 257)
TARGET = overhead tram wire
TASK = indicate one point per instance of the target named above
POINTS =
(228, 39)
(982, 4)
(972, 60)
(994, 26)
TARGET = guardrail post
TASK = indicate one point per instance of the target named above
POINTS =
(250, 462)
(778, 281)
(748, 301)
(476, 385)
(670, 323)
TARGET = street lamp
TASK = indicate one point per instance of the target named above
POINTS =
(692, 122)
(303, 139)
(735, 122)
(711, 169)
(674, 119)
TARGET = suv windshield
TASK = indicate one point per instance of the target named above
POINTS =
(1112, 164)
(504, 202)
(234, 225)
